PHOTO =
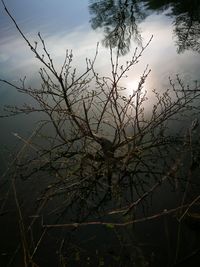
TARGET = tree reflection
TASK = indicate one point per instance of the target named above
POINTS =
(119, 20)
(187, 27)
(186, 22)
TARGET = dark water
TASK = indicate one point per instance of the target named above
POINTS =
(79, 25)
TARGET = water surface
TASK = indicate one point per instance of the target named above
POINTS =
(78, 26)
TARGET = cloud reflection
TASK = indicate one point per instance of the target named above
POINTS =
(16, 60)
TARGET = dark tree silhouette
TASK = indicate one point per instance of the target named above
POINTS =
(186, 22)
(119, 22)
(187, 34)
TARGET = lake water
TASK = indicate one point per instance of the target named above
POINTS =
(78, 26)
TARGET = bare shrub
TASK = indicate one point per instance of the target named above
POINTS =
(105, 154)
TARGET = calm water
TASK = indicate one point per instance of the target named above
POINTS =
(67, 25)
(79, 25)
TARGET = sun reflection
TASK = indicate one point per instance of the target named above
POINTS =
(131, 86)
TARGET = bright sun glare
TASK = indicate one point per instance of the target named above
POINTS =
(131, 86)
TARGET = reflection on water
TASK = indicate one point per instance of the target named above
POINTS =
(122, 23)
(120, 19)
(87, 193)
(186, 22)
(119, 22)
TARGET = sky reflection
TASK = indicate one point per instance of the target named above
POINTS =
(65, 25)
